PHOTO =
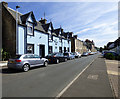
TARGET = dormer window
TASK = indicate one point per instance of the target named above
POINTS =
(30, 28)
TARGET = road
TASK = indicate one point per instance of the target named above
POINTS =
(42, 81)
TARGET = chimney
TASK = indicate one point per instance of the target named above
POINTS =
(5, 4)
(43, 21)
(75, 36)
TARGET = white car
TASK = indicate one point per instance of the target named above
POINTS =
(77, 55)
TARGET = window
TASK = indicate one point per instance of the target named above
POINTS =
(60, 49)
(50, 49)
(50, 36)
(29, 28)
(64, 49)
(68, 49)
(30, 48)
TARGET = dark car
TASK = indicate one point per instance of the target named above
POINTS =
(56, 58)
(69, 55)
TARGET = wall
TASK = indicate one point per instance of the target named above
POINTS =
(56, 43)
(21, 40)
(8, 32)
(78, 46)
(37, 39)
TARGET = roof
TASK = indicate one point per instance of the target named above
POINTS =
(23, 17)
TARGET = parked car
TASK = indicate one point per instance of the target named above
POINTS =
(85, 54)
(69, 55)
(77, 55)
(103, 52)
(56, 58)
(26, 61)
(91, 53)
(114, 54)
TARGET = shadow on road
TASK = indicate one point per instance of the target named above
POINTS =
(12, 71)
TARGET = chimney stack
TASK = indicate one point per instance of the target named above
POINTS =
(75, 36)
(43, 21)
(5, 4)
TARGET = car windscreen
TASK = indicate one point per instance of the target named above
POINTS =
(16, 57)
(52, 54)
(65, 54)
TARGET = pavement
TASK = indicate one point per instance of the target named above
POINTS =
(3, 63)
(113, 73)
(93, 82)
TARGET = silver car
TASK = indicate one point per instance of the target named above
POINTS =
(26, 61)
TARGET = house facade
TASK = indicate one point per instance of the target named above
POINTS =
(114, 46)
(30, 35)
(78, 45)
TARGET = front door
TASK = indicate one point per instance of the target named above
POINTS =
(42, 50)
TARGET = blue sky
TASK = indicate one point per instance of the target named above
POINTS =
(97, 21)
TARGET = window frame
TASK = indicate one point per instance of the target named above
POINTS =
(30, 26)
(32, 48)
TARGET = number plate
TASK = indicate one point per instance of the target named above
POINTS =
(11, 61)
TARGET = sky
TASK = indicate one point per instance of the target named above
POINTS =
(97, 21)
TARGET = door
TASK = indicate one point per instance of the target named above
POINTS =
(42, 50)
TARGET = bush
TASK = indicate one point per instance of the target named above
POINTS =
(118, 58)
(5, 55)
(110, 56)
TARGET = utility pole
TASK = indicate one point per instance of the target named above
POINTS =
(17, 29)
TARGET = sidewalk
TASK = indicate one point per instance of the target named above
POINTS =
(113, 73)
(3, 63)
(93, 82)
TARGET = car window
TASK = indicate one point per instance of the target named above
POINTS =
(29, 56)
(36, 56)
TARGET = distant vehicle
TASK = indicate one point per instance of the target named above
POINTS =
(26, 61)
(91, 53)
(56, 58)
(77, 55)
(85, 54)
(112, 52)
(69, 55)
(103, 52)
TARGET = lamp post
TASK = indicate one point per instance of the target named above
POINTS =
(17, 29)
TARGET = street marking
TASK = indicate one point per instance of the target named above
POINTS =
(93, 77)
(60, 94)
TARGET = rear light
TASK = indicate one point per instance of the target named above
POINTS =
(18, 60)
(54, 56)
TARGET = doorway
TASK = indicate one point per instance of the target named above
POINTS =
(42, 50)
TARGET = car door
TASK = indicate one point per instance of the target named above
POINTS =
(30, 60)
(38, 60)
(61, 56)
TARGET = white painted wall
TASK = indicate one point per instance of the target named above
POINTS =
(37, 39)
(21, 42)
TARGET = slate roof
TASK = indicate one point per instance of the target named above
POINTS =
(23, 17)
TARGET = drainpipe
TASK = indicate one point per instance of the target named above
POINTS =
(17, 29)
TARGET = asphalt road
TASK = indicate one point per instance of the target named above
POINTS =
(42, 81)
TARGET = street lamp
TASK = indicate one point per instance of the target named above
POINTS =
(17, 29)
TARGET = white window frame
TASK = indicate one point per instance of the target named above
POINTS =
(30, 25)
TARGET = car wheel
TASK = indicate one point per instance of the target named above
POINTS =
(46, 64)
(65, 59)
(57, 61)
(26, 67)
